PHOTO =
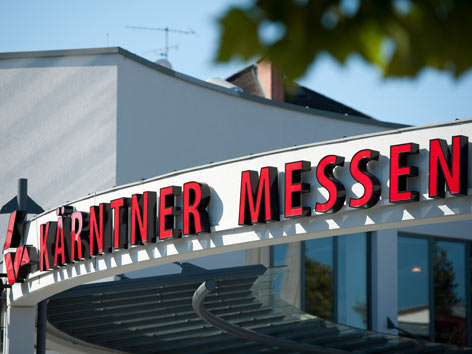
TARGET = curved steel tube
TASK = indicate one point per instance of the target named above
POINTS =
(197, 302)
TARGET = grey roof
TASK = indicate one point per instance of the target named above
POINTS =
(155, 315)
(295, 94)
(303, 96)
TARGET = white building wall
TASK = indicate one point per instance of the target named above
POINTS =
(57, 127)
(166, 123)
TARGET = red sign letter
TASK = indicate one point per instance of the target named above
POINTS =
(48, 234)
(61, 254)
(143, 215)
(265, 208)
(79, 247)
(120, 214)
(100, 231)
(370, 183)
(444, 169)
(325, 175)
(400, 171)
(294, 187)
(196, 199)
(168, 212)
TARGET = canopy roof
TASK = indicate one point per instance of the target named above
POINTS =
(149, 315)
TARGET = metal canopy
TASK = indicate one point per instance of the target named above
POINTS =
(155, 315)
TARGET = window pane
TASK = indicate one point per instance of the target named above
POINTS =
(280, 259)
(449, 293)
(413, 290)
(319, 281)
(352, 280)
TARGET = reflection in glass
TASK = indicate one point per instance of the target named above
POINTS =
(352, 280)
(413, 294)
(449, 292)
(280, 259)
(319, 279)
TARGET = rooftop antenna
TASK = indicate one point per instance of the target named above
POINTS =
(160, 51)
(107, 40)
(166, 31)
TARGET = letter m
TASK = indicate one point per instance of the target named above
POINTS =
(259, 196)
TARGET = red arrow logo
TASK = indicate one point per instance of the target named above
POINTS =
(18, 263)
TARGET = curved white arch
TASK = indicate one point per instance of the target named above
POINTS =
(224, 179)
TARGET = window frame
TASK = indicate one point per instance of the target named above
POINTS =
(468, 278)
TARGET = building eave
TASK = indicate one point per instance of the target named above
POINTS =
(195, 81)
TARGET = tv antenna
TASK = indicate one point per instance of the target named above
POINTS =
(160, 51)
(166, 31)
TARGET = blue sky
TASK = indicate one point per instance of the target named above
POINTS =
(43, 25)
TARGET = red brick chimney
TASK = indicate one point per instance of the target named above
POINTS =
(271, 80)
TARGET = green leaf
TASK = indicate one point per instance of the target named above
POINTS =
(239, 37)
(434, 33)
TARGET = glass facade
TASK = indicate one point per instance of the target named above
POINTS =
(434, 283)
(432, 288)
(319, 277)
(351, 280)
(450, 324)
(280, 259)
(335, 278)
(413, 288)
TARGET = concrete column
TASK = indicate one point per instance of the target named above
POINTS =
(19, 335)
(260, 255)
(384, 279)
(292, 277)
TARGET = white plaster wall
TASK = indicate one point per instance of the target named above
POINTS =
(57, 127)
(166, 124)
